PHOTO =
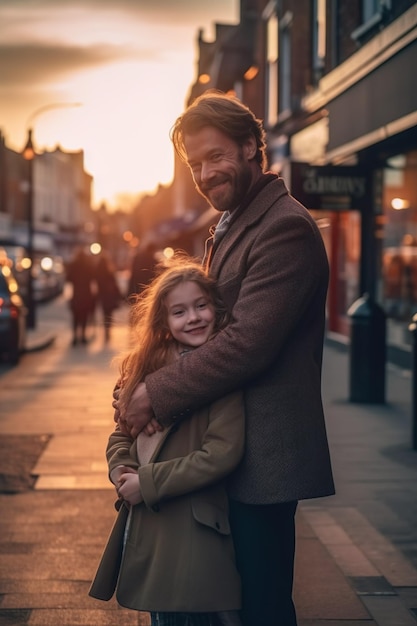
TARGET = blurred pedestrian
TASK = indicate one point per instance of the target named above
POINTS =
(142, 269)
(80, 273)
(109, 296)
(175, 558)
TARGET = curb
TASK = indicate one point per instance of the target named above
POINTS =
(39, 343)
(398, 355)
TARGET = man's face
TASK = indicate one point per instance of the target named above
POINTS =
(222, 169)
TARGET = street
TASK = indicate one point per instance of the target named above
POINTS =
(52, 535)
(356, 552)
(65, 391)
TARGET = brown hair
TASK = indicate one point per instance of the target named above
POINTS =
(153, 342)
(226, 113)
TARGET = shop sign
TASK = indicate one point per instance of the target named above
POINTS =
(334, 188)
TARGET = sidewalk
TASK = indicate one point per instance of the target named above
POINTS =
(356, 558)
(369, 529)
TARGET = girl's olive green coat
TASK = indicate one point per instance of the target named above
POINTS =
(179, 553)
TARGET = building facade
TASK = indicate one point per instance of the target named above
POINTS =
(333, 82)
(358, 123)
(55, 185)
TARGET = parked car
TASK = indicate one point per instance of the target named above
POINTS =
(48, 273)
(13, 314)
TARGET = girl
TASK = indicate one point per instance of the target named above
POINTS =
(174, 557)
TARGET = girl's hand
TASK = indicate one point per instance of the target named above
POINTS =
(129, 488)
(117, 472)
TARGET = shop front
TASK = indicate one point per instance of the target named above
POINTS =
(374, 122)
(399, 242)
(339, 198)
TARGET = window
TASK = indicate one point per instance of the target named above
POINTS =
(373, 12)
(284, 88)
(272, 69)
(369, 8)
(319, 38)
(399, 241)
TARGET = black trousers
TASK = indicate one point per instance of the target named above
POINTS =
(264, 537)
(224, 618)
(181, 619)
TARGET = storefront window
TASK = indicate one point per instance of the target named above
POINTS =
(399, 251)
(341, 234)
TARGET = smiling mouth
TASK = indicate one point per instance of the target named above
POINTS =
(214, 186)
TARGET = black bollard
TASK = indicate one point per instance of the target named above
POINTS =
(413, 329)
(367, 351)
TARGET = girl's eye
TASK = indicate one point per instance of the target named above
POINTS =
(178, 312)
(202, 305)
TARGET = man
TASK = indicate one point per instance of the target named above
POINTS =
(271, 267)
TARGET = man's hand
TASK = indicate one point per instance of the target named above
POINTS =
(115, 403)
(138, 415)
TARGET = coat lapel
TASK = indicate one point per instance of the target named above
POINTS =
(249, 217)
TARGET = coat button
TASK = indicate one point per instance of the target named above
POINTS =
(155, 508)
(217, 525)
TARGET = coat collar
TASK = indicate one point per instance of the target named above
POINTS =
(272, 189)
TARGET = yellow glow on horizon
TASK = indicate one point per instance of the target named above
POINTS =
(124, 134)
(130, 66)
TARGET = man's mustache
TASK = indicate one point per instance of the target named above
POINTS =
(206, 187)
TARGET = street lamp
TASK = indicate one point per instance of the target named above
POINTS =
(29, 155)
(48, 107)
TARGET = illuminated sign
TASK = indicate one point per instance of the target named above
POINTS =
(334, 188)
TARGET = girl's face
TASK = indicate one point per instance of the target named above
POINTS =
(190, 314)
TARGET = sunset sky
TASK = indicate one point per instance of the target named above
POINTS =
(129, 63)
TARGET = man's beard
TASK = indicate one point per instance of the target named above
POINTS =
(236, 189)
